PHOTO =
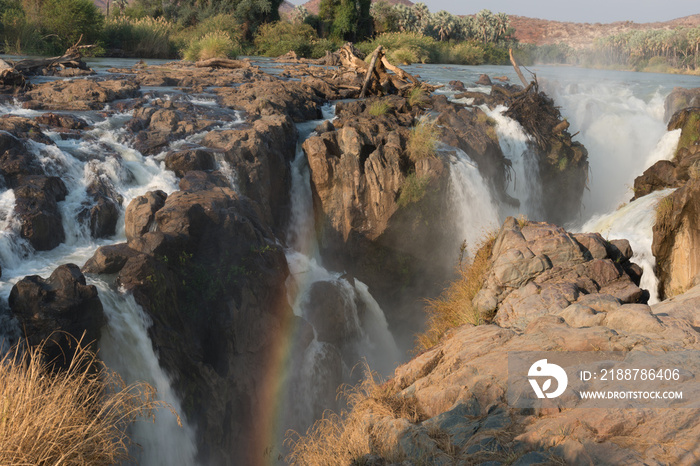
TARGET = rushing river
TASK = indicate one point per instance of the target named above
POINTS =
(619, 117)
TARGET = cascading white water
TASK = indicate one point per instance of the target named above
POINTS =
(101, 152)
(126, 348)
(619, 128)
(474, 211)
(634, 222)
(525, 180)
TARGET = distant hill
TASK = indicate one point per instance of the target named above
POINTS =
(578, 35)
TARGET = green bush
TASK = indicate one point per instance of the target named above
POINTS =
(464, 53)
(19, 36)
(217, 44)
(412, 46)
(143, 38)
(68, 20)
(278, 38)
(413, 189)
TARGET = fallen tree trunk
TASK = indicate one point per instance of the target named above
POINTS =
(517, 68)
(222, 63)
(370, 71)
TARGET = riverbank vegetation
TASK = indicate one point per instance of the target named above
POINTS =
(76, 416)
(148, 29)
(651, 50)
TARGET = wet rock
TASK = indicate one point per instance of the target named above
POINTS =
(36, 205)
(200, 181)
(161, 122)
(57, 312)
(457, 86)
(484, 80)
(79, 94)
(109, 259)
(661, 175)
(140, 214)
(56, 120)
(24, 128)
(680, 98)
(261, 156)
(102, 211)
(182, 161)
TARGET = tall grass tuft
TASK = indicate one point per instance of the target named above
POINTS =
(74, 417)
(144, 38)
(217, 44)
(454, 306)
(423, 140)
(341, 439)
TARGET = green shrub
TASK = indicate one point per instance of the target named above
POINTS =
(278, 38)
(413, 189)
(416, 96)
(416, 47)
(217, 44)
(320, 46)
(68, 20)
(403, 56)
(464, 53)
(19, 36)
(143, 38)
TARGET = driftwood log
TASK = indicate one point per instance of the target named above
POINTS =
(222, 63)
(380, 76)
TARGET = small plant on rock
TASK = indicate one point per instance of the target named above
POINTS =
(379, 107)
(423, 140)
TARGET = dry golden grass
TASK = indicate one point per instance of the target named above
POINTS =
(423, 140)
(454, 306)
(76, 417)
(340, 439)
(663, 209)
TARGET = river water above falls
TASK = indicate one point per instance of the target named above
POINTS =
(620, 119)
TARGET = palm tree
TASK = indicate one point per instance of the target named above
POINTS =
(445, 24)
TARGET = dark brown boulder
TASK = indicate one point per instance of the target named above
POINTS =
(661, 175)
(57, 312)
(200, 181)
(484, 80)
(140, 213)
(183, 161)
(56, 120)
(24, 128)
(36, 205)
(109, 259)
(260, 156)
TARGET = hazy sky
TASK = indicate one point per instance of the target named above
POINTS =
(586, 11)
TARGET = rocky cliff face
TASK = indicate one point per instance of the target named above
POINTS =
(563, 292)
(676, 234)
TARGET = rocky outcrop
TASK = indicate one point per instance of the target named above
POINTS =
(212, 278)
(79, 94)
(676, 240)
(57, 312)
(680, 98)
(260, 156)
(539, 269)
(298, 101)
(185, 160)
(453, 403)
(676, 231)
(36, 205)
(376, 206)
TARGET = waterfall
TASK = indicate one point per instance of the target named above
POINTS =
(634, 222)
(474, 211)
(126, 348)
(525, 183)
(619, 127)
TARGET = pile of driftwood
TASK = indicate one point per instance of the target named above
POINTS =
(377, 79)
(13, 73)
